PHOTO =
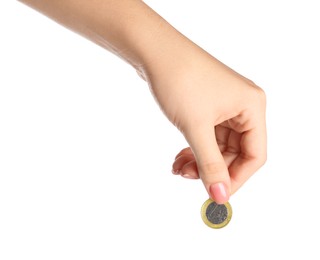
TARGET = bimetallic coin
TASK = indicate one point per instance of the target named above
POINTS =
(216, 215)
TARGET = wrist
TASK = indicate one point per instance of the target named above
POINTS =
(152, 46)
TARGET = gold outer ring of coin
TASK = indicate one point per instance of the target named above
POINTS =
(210, 224)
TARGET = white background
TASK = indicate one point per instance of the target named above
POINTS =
(86, 154)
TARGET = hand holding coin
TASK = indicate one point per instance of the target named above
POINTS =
(220, 113)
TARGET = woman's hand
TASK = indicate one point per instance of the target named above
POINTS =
(220, 113)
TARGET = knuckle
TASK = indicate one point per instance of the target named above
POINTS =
(257, 92)
(211, 168)
(260, 94)
(263, 159)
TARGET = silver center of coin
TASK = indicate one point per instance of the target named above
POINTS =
(216, 213)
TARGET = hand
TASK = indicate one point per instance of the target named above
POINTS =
(220, 113)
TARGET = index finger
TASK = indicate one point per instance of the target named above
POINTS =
(253, 155)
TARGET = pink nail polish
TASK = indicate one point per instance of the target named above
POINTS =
(219, 193)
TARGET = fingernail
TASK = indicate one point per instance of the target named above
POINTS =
(176, 172)
(219, 193)
(188, 176)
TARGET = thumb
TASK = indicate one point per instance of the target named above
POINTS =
(212, 168)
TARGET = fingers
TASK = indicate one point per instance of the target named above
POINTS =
(185, 165)
(243, 154)
(212, 168)
(185, 151)
(251, 157)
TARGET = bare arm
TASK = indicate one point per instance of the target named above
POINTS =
(128, 28)
(220, 113)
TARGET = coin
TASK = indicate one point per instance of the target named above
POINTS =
(216, 215)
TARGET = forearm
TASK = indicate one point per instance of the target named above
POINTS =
(220, 113)
(128, 28)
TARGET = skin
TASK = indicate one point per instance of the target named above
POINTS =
(220, 113)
